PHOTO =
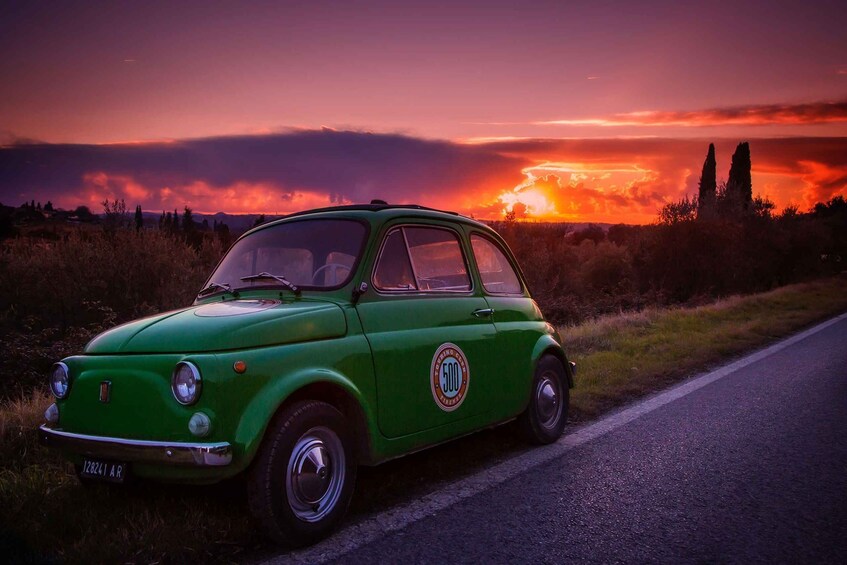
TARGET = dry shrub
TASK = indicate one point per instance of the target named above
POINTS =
(574, 276)
(578, 275)
(19, 419)
(97, 277)
(59, 294)
(29, 353)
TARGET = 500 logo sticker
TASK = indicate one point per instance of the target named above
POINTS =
(449, 377)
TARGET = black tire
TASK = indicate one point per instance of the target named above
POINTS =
(545, 417)
(296, 500)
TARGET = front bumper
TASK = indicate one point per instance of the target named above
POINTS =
(139, 451)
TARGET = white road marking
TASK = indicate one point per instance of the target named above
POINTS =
(356, 535)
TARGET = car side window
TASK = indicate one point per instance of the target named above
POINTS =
(498, 276)
(393, 270)
(437, 259)
(422, 258)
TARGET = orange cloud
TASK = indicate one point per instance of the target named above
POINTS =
(598, 180)
(99, 186)
(238, 198)
(823, 181)
(753, 115)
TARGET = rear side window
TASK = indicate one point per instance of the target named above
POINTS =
(422, 258)
(498, 276)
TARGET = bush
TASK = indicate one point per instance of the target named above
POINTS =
(681, 259)
(95, 277)
(59, 294)
(606, 269)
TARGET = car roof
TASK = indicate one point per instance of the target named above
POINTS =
(372, 207)
(380, 212)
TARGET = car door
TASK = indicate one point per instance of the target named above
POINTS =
(517, 318)
(429, 330)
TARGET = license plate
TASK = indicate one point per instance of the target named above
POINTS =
(104, 470)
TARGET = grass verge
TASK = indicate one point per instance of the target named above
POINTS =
(45, 514)
(625, 356)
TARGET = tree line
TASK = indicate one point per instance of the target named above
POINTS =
(724, 240)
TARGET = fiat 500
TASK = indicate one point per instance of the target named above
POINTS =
(328, 339)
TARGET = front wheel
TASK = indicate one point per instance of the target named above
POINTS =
(302, 480)
(544, 419)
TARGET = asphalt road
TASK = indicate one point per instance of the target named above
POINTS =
(749, 468)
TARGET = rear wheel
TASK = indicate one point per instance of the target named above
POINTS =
(303, 477)
(544, 419)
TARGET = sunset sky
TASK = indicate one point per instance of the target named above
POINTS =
(579, 111)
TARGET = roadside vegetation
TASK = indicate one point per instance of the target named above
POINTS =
(623, 356)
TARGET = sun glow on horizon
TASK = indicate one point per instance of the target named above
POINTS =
(569, 191)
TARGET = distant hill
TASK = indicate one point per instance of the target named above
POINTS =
(570, 226)
(242, 222)
(236, 222)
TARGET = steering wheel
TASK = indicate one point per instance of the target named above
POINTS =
(334, 266)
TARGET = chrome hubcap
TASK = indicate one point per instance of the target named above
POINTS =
(548, 401)
(315, 474)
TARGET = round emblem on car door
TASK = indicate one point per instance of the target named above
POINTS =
(449, 377)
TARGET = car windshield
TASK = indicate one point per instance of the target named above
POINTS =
(309, 254)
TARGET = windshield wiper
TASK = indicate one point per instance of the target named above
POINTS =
(278, 278)
(214, 287)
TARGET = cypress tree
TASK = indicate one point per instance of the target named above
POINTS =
(187, 220)
(739, 187)
(708, 185)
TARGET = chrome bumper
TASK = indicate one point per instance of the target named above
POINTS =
(141, 451)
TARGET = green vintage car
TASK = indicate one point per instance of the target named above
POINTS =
(328, 339)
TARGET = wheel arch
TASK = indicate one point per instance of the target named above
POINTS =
(547, 345)
(321, 385)
(345, 402)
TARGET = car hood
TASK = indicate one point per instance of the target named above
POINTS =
(220, 326)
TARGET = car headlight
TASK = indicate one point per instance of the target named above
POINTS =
(60, 380)
(186, 383)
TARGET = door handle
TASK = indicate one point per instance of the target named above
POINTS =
(484, 312)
